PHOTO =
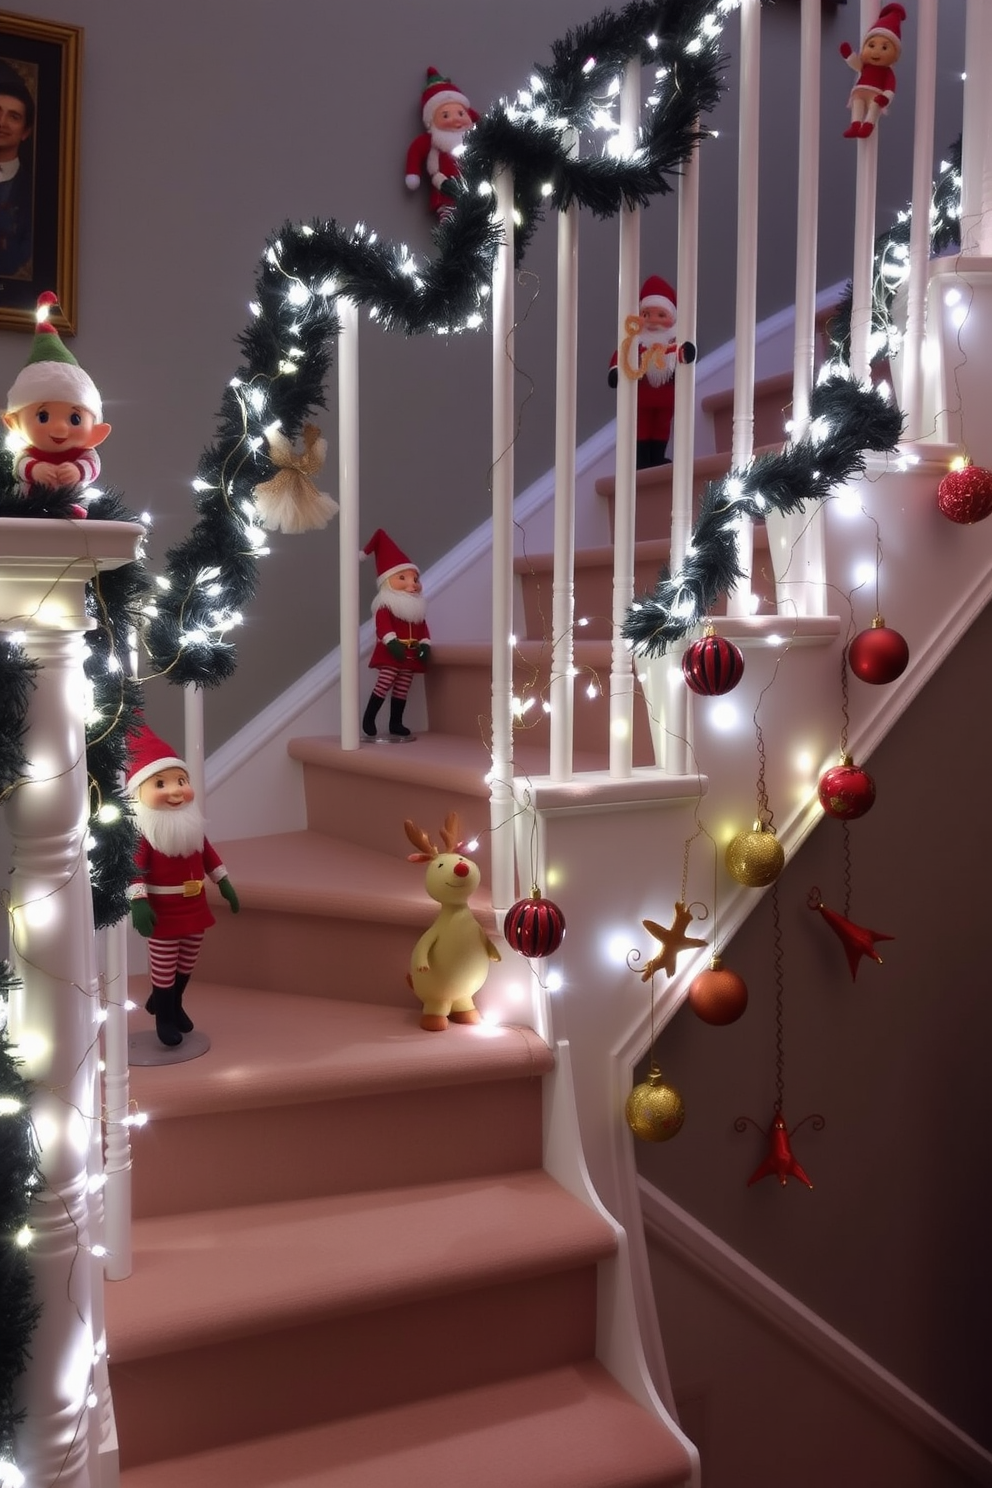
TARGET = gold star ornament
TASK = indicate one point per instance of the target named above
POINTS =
(673, 940)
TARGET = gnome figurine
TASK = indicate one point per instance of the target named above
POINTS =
(173, 858)
(403, 642)
(54, 415)
(876, 82)
(447, 117)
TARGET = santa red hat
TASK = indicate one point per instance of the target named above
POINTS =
(389, 559)
(149, 756)
(438, 90)
(889, 23)
(657, 291)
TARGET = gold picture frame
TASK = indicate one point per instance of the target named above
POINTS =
(40, 65)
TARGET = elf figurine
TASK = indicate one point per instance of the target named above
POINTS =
(403, 642)
(649, 355)
(876, 82)
(54, 415)
(447, 117)
(172, 859)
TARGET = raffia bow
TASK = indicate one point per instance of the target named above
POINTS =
(290, 502)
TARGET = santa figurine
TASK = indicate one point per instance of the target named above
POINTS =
(876, 82)
(171, 862)
(649, 355)
(447, 117)
(403, 642)
(54, 414)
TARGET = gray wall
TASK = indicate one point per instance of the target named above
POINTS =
(206, 125)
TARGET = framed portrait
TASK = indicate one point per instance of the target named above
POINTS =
(40, 63)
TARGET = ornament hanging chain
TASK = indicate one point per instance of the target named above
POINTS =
(848, 868)
(779, 1001)
(765, 814)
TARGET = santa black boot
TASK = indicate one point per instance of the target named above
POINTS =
(183, 1020)
(164, 999)
(396, 728)
(370, 715)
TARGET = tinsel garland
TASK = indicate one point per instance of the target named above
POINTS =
(846, 420)
(19, 1173)
(286, 345)
(891, 258)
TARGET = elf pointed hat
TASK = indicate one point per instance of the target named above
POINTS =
(438, 90)
(389, 559)
(657, 291)
(51, 371)
(149, 756)
(889, 23)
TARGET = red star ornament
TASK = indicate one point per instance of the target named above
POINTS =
(857, 940)
(780, 1161)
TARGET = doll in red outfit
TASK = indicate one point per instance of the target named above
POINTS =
(403, 642)
(172, 860)
(649, 355)
(876, 82)
(54, 414)
(447, 117)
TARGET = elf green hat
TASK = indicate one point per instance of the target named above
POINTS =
(51, 371)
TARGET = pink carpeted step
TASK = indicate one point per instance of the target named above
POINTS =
(571, 1427)
(299, 1097)
(276, 1317)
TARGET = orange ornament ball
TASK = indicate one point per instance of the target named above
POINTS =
(718, 996)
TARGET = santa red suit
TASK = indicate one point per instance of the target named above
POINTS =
(431, 154)
(175, 887)
(411, 634)
(652, 362)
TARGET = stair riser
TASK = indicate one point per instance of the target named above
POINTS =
(313, 955)
(370, 812)
(332, 1368)
(271, 1155)
(457, 693)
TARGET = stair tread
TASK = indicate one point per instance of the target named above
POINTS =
(458, 762)
(225, 1273)
(316, 1048)
(708, 466)
(572, 1427)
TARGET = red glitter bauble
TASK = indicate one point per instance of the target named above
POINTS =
(966, 495)
(878, 655)
(535, 927)
(718, 996)
(846, 791)
(712, 666)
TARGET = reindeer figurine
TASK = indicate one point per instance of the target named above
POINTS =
(450, 961)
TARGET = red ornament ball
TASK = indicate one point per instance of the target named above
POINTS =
(535, 927)
(718, 996)
(846, 791)
(966, 495)
(878, 655)
(712, 666)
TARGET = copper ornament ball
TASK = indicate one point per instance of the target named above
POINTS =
(878, 655)
(755, 858)
(965, 495)
(654, 1110)
(717, 996)
(846, 791)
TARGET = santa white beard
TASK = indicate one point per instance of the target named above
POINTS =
(176, 831)
(657, 375)
(447, 140)
(401, 604)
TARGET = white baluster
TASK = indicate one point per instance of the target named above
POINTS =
(348, 518)
(911, 357)
(561, 694)
(501, 783)
(116, 1106)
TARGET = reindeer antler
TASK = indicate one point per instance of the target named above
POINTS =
(420, 839)
(449, 832)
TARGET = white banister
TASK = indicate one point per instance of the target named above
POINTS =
(501, 805)
(561, 694)
(919, 228)
(348, 518)
(625, 498)
(54, 1019)
(739, 602)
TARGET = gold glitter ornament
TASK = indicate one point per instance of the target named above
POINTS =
(654, 1110)
(755, 858)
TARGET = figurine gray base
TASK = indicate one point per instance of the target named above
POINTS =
(146, 1048)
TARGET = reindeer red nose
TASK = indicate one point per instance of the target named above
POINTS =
(461, 868)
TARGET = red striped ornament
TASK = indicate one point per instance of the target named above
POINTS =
(534, 927)
(712, 665)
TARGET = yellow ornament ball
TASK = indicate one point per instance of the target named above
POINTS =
(755, 858)
(654, 1110)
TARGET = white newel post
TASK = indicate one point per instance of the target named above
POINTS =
(44, 567)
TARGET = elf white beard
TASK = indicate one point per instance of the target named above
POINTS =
(657, 375)
(176, 831)
(404, 606)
